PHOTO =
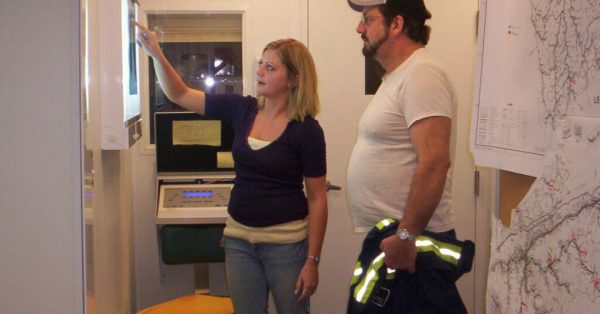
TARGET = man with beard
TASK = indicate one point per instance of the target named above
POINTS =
(400, 166)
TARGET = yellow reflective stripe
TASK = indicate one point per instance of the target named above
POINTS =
(384, 223)
(446, 251)
(364, 289)
(357, 272)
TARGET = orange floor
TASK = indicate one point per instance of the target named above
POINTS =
(193, 304)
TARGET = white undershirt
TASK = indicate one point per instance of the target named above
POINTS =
(383, 160)
(257, 144)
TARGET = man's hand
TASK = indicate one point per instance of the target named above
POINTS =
(399, 254)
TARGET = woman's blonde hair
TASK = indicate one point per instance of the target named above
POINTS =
(304, 98)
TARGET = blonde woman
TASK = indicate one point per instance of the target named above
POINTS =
(275, 232)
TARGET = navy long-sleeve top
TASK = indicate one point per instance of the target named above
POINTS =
(268, 187)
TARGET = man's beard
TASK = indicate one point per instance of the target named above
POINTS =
(371, 50)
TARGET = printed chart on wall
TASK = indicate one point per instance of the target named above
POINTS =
(539, 62)
(537, 112)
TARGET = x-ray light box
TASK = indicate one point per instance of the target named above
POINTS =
(118, 59)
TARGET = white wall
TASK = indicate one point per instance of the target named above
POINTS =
(336, 48)
(41, 251)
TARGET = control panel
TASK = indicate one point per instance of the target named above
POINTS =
(193, 203)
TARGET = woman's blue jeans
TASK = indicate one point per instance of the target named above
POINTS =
(254, 269)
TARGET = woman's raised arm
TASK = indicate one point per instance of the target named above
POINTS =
(170, 81)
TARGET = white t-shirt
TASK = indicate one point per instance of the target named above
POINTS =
(383, 161)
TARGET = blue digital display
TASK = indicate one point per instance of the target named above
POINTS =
(198, 194)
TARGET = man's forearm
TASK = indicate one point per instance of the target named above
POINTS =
(424, 196)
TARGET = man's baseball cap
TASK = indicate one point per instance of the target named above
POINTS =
(413, 8)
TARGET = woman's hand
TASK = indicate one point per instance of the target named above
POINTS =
(308, 280)
(147, 40)
(170, 81)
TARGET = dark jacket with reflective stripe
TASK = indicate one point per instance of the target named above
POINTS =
(431, 289)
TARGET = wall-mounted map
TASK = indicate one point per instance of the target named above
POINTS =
(537, 112)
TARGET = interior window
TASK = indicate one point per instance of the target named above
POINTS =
(206, 51)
